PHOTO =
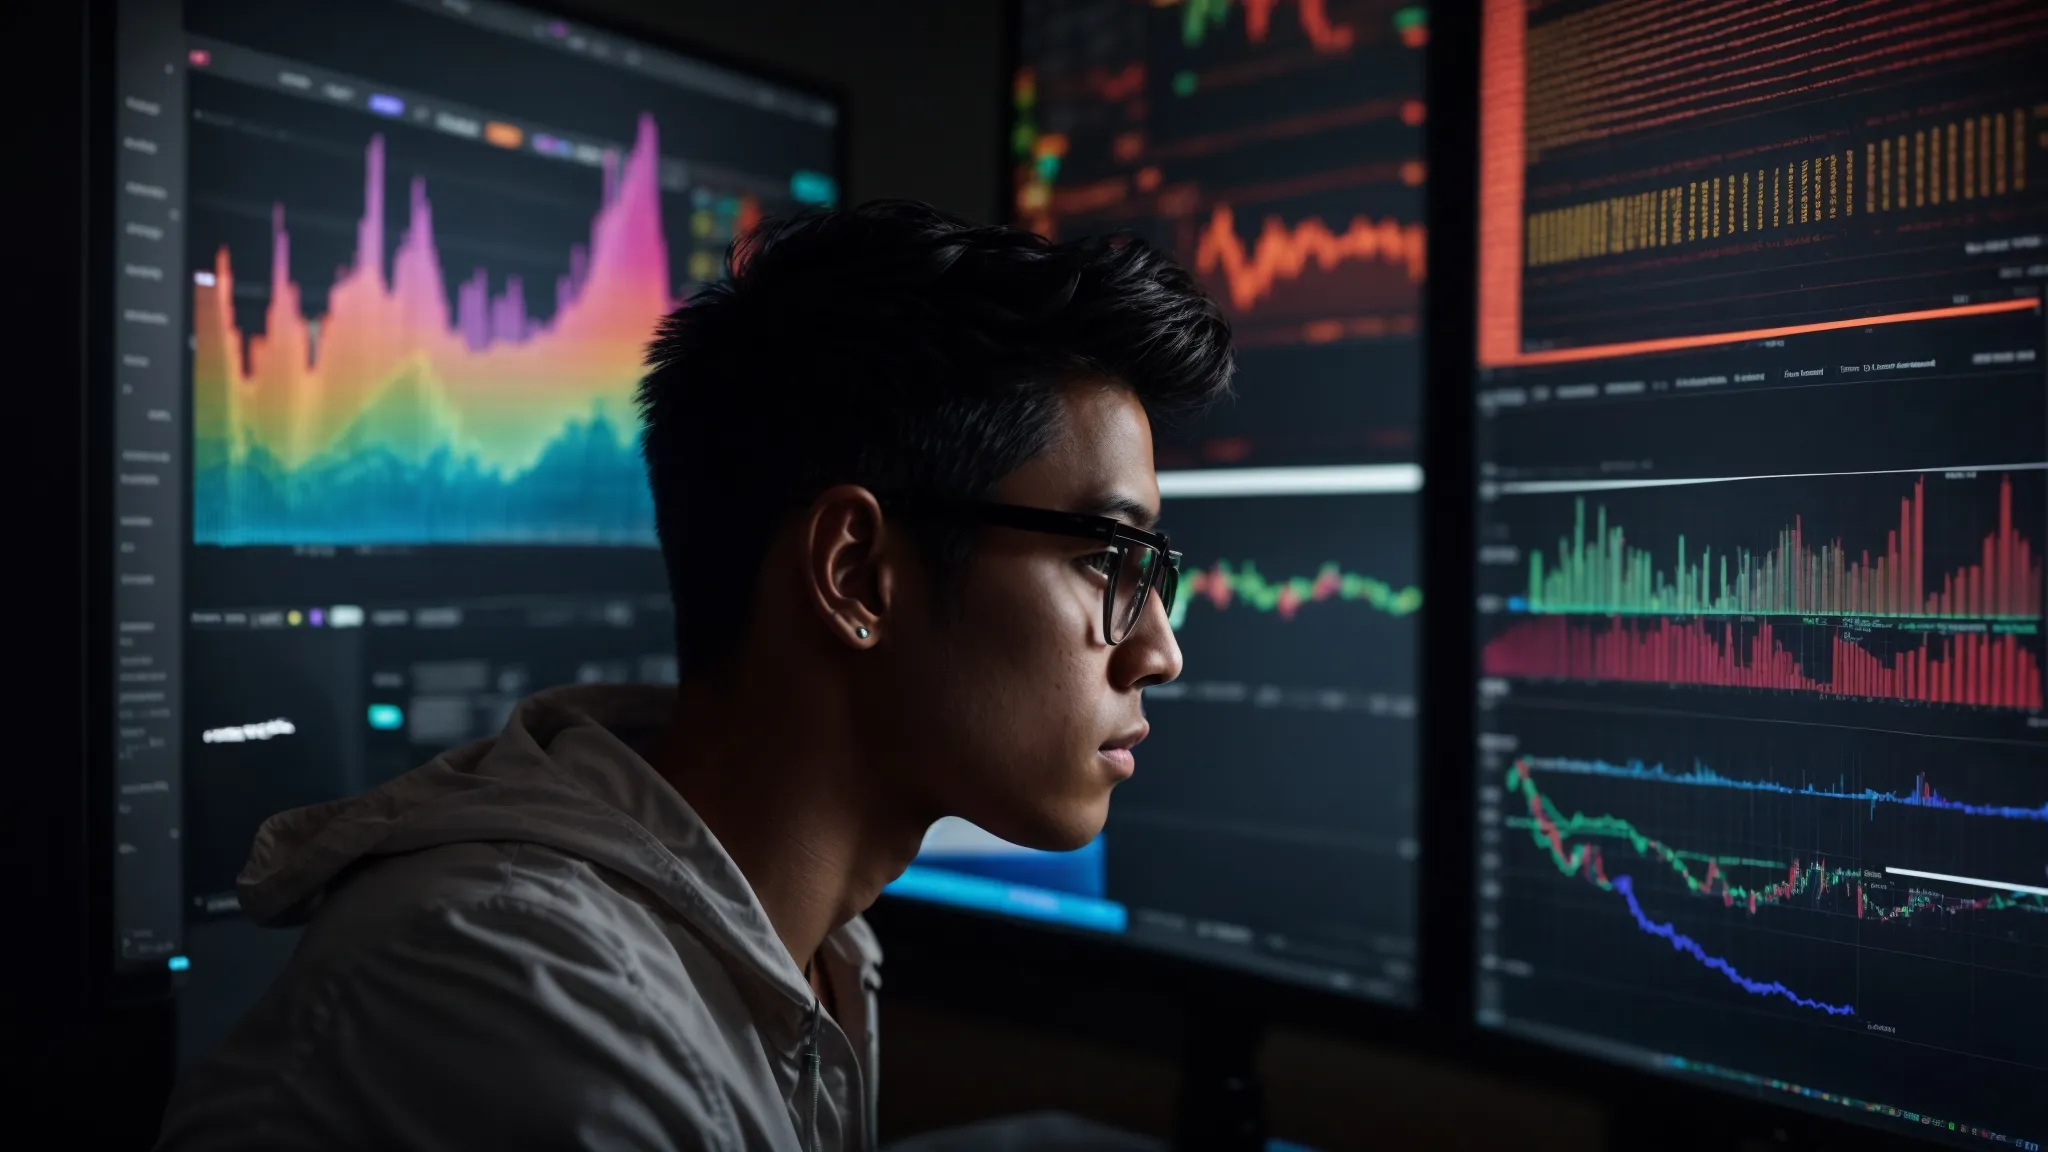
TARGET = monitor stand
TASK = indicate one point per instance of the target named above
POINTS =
(1221, 1105)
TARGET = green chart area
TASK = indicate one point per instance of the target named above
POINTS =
(1574, 843)
(1597, 571)
(1226, 583)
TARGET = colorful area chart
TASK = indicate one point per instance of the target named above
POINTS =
(394, 420)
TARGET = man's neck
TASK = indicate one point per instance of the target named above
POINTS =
(787, 799)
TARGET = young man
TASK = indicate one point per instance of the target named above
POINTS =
(903, 476)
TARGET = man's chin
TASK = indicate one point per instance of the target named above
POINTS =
(1066, 828)
(1069, 839)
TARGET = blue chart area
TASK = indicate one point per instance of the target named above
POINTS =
(966, 867)
(1809, 904)
(1921, 795)
(1686, 944)
(589, 487)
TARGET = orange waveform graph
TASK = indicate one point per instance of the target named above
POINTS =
(1284, 252)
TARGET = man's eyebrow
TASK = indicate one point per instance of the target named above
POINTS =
(1120, 507)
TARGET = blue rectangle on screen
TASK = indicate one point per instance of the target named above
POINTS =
(813, 188)
(940, 886)
(386, 105)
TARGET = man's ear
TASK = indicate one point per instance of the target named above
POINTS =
(848, 570)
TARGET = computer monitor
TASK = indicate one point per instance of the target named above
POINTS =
(384, 271)
(1277, 150)
(1762, 392)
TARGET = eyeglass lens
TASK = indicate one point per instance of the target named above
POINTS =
(1137, 571)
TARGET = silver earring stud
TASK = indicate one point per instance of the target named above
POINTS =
(860, 631)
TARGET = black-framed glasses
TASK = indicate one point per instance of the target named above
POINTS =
(1139, 563)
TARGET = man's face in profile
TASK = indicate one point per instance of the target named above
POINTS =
(1012, 704)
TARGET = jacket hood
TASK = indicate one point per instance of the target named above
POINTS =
(564, 773)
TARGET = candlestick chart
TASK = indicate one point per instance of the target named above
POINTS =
(396, 418)
(1814, 881)
(1572, 843)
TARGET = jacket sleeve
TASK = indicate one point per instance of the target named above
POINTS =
(496, 1024)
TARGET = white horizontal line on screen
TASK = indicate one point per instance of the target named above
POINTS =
(1336, 480)
(1543, 487)
(2001, 885)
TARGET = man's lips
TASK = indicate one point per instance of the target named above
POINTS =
(1128, 740)
(1118, 751)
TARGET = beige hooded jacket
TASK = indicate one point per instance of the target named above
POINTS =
(532, 942)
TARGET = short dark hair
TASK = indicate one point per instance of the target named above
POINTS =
(899, 348)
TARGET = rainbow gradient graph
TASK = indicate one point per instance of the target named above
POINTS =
(389, 421)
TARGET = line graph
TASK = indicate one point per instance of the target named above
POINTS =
(1804, 919)
(1977, 669)
(1551, 831)
(1602, 574)
(1285, 252)
(1572, 845)
(1686, 944)
(1891, 873)
(1307, 282)
(1224, 583)
(1922, 794)
(1307, 589)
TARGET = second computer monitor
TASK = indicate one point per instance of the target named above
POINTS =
(1277, 151)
